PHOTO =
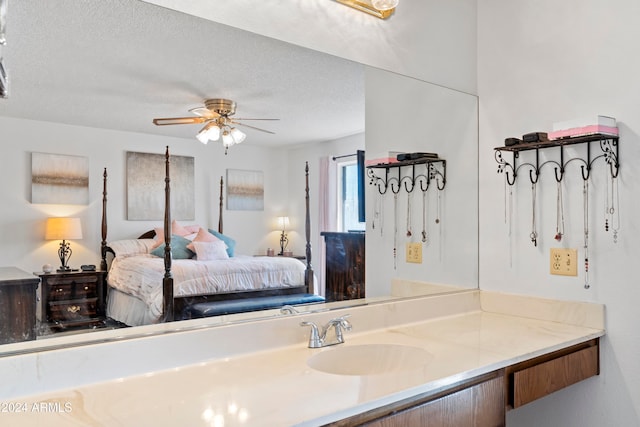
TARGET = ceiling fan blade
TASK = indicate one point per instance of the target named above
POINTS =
(204, 112)
(179, 121)
(253, 127)
(238, 118)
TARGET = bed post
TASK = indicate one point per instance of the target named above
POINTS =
(308, 276)
(167, 282)
(103, 244)
(220, 208)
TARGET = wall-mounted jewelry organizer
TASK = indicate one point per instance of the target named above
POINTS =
(412, 174)
(608, 146)
(423, 172)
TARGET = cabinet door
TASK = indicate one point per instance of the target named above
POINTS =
(481, 405)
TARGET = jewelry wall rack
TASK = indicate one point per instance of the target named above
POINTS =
(608, 146)
(434, 170)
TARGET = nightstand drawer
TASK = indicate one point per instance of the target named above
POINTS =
(67, 288)
(73, 311)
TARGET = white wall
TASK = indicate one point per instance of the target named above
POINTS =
(22, 223)
(542, 62)
(428, 39)
(409, 115)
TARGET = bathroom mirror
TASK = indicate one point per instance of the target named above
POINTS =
(425, 117)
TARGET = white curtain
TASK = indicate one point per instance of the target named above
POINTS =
(327, 205)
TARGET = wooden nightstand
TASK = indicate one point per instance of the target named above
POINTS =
(73, 299)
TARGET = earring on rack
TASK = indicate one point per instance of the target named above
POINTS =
(585, 215)
(534, 234)
(559, 214)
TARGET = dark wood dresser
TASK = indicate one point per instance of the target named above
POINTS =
(17, 305)
(73, 299)
(344, 265)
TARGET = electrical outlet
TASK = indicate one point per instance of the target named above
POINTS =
(414, 252)
(563, 262)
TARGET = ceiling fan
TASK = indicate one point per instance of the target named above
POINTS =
(216, 113)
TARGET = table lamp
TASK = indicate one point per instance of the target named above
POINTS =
(63, 229)
(283, 222)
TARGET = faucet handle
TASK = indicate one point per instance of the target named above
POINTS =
(314, 338)
(343, 322)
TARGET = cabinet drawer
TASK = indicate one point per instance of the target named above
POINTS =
(537, 381)
(66, 289)
(73, 311)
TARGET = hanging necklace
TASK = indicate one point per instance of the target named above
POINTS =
(376, 213)
(509, 212)
(612, 207)
(559, 214)
(424, 217)
(409, 214)
(585, 210)
(534, 234)
(395, 230)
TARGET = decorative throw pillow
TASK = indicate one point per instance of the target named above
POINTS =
(202, 236)
(178, 248)
(231, 244)
(176, 230)
(124, 248)
(210, 251)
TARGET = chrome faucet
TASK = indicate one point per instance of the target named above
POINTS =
(318, 337)
(288, 309)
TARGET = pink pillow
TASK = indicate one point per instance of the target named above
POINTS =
(202, 236)
(176, 229)
(210, 251)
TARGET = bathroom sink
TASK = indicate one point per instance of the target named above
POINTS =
(369, 359)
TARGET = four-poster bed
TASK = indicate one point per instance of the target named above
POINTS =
(145, 288)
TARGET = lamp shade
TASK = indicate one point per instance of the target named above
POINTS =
(283, 222)
(63, 229)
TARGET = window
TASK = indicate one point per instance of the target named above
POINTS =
(349, 197)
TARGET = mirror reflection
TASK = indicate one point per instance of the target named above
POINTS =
(93, 108)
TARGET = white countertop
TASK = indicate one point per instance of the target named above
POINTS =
(275, 387)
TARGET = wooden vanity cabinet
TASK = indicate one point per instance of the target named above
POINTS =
(484, 400)
(477, 402)
(541, 376)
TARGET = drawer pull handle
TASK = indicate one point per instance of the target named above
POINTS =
(73, 309)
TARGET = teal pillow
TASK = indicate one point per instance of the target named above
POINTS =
(231, 244)
(178, 248)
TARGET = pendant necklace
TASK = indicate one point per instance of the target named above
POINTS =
(559, 214)
(612, 208)
(534, 234)
(424, 217)
(395, 230)
(585, 209)
(409, 214)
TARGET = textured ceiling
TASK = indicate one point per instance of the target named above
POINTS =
(117, 64)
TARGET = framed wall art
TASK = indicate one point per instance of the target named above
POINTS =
(145, 187)
(245, 190)
(59, 179)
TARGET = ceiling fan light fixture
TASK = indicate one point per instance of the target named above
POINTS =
(211, 132)
(384, 4)
(227, 139)
(237, 135)
(379, 8)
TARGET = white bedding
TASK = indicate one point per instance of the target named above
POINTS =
(141, 276)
